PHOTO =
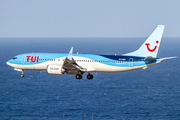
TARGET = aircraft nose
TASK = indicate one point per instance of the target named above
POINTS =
(8, 63)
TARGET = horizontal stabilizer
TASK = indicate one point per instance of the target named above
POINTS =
(169, 58)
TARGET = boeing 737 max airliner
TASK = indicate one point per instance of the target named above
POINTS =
(77, 64)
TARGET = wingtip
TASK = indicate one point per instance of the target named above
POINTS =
(71, 50)
(161, 26)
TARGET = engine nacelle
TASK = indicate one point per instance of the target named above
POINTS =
(55, 70)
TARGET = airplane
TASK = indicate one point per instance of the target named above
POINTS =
(78, 64)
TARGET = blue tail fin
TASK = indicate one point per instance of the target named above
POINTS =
(151, 46)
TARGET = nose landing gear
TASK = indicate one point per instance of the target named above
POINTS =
(22, 73)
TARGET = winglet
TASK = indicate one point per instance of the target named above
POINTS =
(70, 54)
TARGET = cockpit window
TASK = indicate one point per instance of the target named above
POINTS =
(14, 58)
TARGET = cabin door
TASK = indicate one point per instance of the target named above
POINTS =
(23, 59)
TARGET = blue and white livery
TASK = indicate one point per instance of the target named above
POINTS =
(77, 64)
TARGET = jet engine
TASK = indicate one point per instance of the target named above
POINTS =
(55, 70)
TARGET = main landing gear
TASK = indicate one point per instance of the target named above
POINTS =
(89, 76)
(78, 76)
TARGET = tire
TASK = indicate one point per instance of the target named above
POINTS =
(89, 76)
(22, 75)
(78, 76)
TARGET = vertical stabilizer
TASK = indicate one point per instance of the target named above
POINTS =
(151, 46)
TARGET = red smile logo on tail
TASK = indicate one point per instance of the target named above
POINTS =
(151, 50)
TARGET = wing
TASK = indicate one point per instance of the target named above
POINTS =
(71, 67)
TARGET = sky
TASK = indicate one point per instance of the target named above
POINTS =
(88, 18)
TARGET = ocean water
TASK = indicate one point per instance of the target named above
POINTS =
(153, 93)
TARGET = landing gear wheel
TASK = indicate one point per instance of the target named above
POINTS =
(78, 76)
(22, 75)
(89, 76)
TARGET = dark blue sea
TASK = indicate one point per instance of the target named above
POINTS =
(153, 93)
